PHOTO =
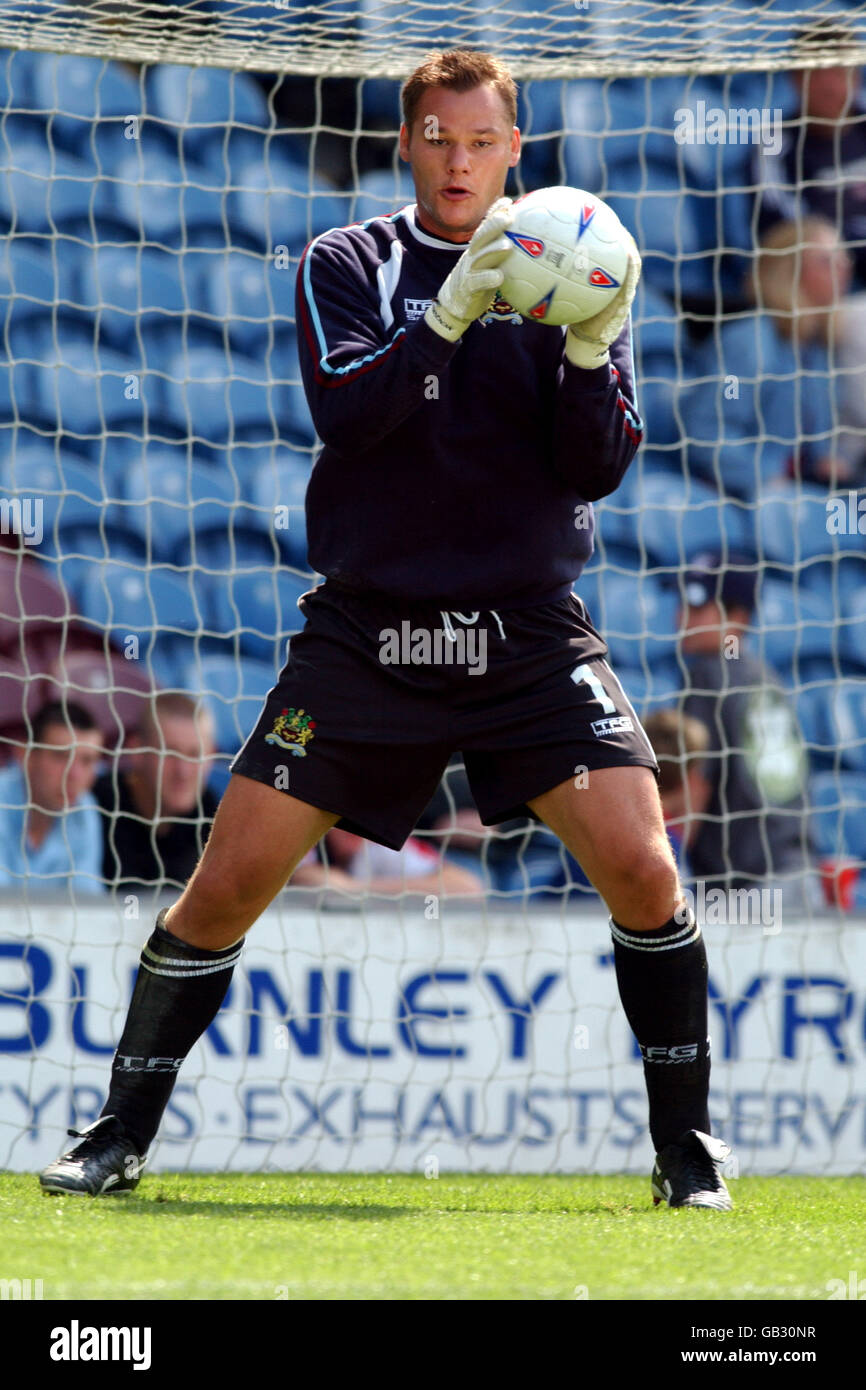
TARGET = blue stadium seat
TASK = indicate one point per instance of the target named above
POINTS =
(853, 630)
(637, 617)
(670, 226)
(208, 105)
(28, 295)
(280, 491)
(296, 423)
(380, 103)
(615, 519)
(156, 609)
(18, 78)
(82, 390)
(675, 521)
(762, 401)
(792, 526)
(254, 299)
(86, 99)
(167, 205)
(169, 502)
(605, 120)
(793, 626)
(658, 326)
(215, 555)
(216, 400)
(274, 205)
(132, 292)
(845, 726)
(234, 690)
(43, 190)
(811, 699)
(71, 496)
(382, 191)
(542, 119)
(843, 575)
(838, 816)
(261, 607)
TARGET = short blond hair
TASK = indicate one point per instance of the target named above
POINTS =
(459, 70)
(679, 742)
(172, 704)
(777, 265)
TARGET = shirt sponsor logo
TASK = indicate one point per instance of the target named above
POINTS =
(615, 724)
(416, 308)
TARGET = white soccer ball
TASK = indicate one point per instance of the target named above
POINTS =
(568, 256)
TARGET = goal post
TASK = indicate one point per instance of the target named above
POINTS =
(161, 169)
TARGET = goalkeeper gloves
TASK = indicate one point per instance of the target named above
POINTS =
(588, 344)
(469, 290)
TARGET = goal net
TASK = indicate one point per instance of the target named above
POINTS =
(161, 169)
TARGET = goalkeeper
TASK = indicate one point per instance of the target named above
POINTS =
(463, 447)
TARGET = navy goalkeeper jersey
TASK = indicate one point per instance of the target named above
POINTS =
(461, 473)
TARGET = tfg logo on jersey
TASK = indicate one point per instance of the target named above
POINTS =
(416, 309)
(532, 245)
(587, 213)
(602, 280)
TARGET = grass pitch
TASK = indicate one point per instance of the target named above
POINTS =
(314, 1236)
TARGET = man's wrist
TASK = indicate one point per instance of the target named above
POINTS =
(446, 324)
(586, 353)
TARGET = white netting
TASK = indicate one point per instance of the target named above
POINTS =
(155, 447)
(565, 38)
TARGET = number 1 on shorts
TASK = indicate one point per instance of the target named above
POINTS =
(584, 673)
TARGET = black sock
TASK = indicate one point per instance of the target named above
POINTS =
(177, 995)
(662, 979)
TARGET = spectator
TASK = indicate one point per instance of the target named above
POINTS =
(157, 811)
(680, 744)
(851, 360)
(517, 856)
(777, 413)
(355, 865)
(821, 165)
(754, 825)
(49, 821)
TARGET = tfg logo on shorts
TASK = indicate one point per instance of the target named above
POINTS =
(76, 1343)
(615, 724)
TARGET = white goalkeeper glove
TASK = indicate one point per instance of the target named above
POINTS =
(470, 289)
(588, 344)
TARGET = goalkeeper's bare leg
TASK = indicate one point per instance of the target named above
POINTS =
(615, 829)
(259, 836)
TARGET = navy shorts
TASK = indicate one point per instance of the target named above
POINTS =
(376, 695)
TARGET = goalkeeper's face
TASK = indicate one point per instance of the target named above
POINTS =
(460, 147)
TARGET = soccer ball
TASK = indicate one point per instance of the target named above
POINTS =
(568, 256)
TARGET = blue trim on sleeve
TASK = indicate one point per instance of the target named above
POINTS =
(357, 363)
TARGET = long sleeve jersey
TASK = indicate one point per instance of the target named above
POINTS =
(461, 473)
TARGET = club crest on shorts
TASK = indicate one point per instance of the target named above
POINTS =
(292, 729)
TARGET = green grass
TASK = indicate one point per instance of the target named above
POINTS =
(456, 1237)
